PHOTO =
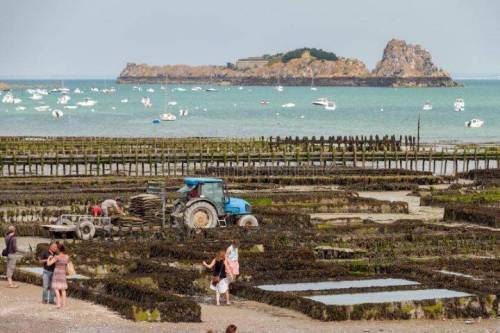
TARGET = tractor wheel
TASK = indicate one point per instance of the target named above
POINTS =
(63, 221)
(200, 215)
(248, 221)
(85, 231)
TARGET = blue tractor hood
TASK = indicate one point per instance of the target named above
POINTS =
(237, 206)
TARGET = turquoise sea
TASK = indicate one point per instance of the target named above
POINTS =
(238, 112)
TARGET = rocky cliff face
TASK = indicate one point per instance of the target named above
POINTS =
(4, 86)
(401, 65)
(406, 60)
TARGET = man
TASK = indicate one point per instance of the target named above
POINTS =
(11, 250)
(48, 271)
(112, 207)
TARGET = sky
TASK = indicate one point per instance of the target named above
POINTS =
(96, 38)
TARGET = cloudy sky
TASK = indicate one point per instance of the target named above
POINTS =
(96, 38)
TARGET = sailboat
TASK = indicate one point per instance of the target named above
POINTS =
(313, 88)
(167, 116)
(279, 87)
(210, 88)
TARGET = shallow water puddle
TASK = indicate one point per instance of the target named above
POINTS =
(337, 285)
(443, 271)
(387, 296)
(39, 271)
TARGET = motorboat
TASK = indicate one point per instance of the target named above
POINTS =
(331, 106)
(474, 123)
(172, 103)
(196, 89)
(137, 88)
(427, 106)
(42, 108)
(183, 112)
(77, 91)
(288, 105)
(124, 100)
(57, 114)
(64, 99)
(36, 97)
(70, 107)
(211, 90)
(322, 101)
(150, 90)
(94, 89)
(146, 101)
(314, 88)
(64, 90)
(459, 105)
(167, 117)
(264, 102)
(179, 89)
(87, 102)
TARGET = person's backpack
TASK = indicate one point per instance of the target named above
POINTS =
(5, 251)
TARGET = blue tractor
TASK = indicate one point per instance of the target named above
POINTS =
(204, 203)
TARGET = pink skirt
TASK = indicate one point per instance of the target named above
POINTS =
(234, 267)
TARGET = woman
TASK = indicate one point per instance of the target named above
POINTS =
(220, 282)
(59, 284)
(232, 259)
(11, 253)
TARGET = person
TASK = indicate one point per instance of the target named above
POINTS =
(59, 283)
(96, 211)
(231, 329)
(48, 272)
(11, 251)
(220, 282)
(113, 205)
(232, 258)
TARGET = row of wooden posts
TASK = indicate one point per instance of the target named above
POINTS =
(174, 164)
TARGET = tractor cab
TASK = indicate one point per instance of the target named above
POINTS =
(211, 197)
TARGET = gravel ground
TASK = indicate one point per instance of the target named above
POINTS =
(22, 312)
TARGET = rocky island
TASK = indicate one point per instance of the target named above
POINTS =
(4, 87)
(402, 65)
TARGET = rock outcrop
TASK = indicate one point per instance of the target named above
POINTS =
(401, 65)
(4, 87)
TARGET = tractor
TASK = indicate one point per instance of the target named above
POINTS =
(204, 203)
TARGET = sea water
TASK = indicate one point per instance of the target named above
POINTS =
(387, 296)
(325, 285)
(234, 112)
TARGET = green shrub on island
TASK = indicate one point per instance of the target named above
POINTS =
(316, 53)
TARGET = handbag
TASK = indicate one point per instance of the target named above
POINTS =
(70, 269)
(5, 252)
(216, 279)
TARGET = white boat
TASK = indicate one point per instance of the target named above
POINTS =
(146, 101)
(150, 90)
(196, 89)
(87, 102)
(264, 102)
(331, 106)
(183, 112)
(57, 114)
(63, 100)
(94, 89)
(63, 90)
(313, 88)
(172, 103)
(8, 98)
(167, 117)
(70, 107)
(288, 105)
(179, 89)
(240, 88)
(279, 88)
(459, 105)
(210, 89)
(36, 97)
(42, 108)
(474, 123)
(322, 101)
(427, 106)
(124, 100)
(20, 108)
(77, 91)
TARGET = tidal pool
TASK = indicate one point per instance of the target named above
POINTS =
(337, 285)
(387, 296)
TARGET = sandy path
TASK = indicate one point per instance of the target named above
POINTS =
(22, 312)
